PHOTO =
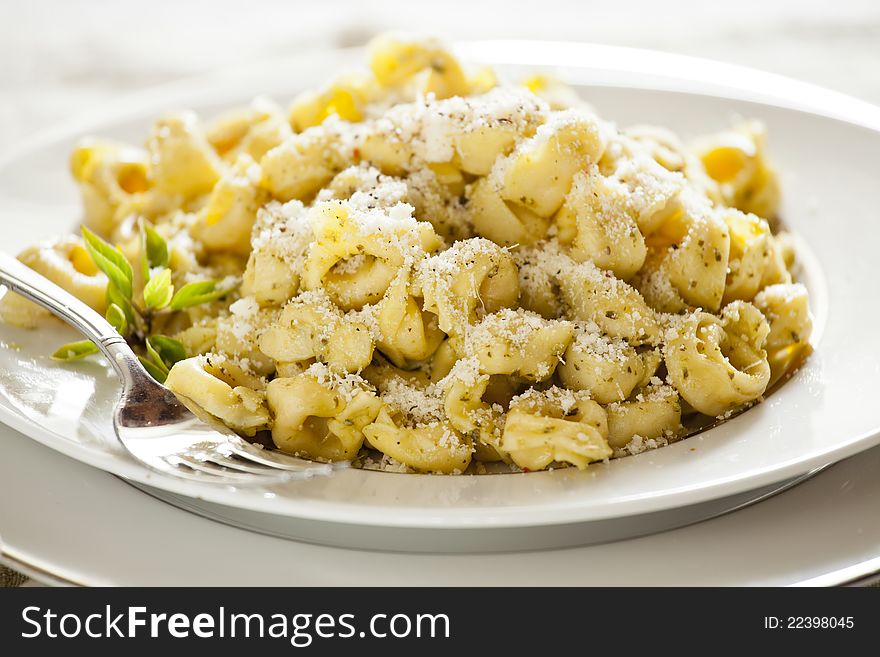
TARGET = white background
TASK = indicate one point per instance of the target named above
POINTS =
(63, 57)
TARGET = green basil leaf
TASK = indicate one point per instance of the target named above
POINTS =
(144, 257)
(155, 248)
(75, 351)
(194, 294)
(156, 358)
(109, 260)
(169, 350)
(160, 374)
(159, 290)
(115, 297)
(116, 316)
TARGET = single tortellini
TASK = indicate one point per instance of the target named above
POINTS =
(430, 447)
(662, 144)
(654, 413)
(607, 368)
(355, 256)
(475, 404)
(653, 193)
(321, 416)
(780, 260)
(437, 204)
(538, 174)
(786, 307)
(239, 333)
(471, 278)
(281, 240)
(615, 306)
(67, 264)
(719, 363)
(310, 326)
(183, 161)
(505, 116)
(383, 148)
(206, 384)
(555, 426)
(463, 390)
(479, 148)
(595, 221)
(408, 334)
(538, 287)
(345, 97)
(654, 285)
(695, 251)
(199, 338)
(519, 343)
(397, 61)
(225, 223)
(302, 164)
(751, 249)
(502, 222)
(110, 176)
(252, 131)
(737, 161)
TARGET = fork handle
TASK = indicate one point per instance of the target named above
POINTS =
(39, 289)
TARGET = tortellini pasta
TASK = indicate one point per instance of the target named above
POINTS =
(67, 264)
(450, 270)
(654, 414)
(555, 426)
(718, 362)
(321, 416)
(201, 380)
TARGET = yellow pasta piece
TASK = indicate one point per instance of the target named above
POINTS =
(502, 222)
(407, 333)
(435, 447)
(226, 221)
(111, 176)
(240, 407)
(537, 175)
(183, 161)
(310, 327)
(472, 275)
(555, 426)
(396, 61)
(608, 368)
(616, 307)
(320, 417)
(66, 264)
(654, 414)
(517, 342)
(719, 363)
(596, 222)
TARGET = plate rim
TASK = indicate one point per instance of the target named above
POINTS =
(50, 570)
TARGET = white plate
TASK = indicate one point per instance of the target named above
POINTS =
(825, 143)
(64, 522)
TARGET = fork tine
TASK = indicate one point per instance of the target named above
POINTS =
(274, 459)
(219, 472)
(235, 463)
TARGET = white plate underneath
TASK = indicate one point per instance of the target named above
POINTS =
(825, 143)
(65, 522)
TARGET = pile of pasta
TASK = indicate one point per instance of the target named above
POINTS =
(445, 269)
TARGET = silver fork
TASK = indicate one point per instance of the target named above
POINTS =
(156, 426)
